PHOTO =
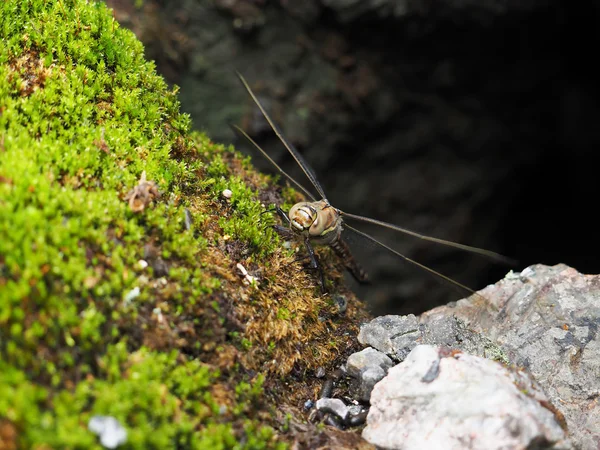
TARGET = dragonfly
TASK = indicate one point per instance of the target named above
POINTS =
(318, 222)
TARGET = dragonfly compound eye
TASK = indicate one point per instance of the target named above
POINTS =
(302, 216)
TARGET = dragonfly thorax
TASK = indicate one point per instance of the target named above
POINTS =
(317, 219)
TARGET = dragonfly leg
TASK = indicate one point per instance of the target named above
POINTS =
(284, 232)
(301, 258)
(311, 267)
(311, 254)
(270, 210)
(314, 263)
(283, 215)
(287, 233)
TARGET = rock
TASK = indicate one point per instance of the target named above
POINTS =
(471, 399)
(394, 335)
(368, 380)
(544, 319)
(333, 406)
(365, 359)
(354, 410)
(326, 389)
(358, 419)
(367, 367)
(398, 335)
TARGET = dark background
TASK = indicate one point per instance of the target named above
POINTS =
(472, 121)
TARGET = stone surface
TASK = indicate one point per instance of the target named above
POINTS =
(366, 367)
(465, 402)
(398, 335)
(334, 406)
(394, 335)
(365, 359)
(543, 319)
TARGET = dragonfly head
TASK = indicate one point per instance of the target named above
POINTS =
(314, 218)
(302, 217)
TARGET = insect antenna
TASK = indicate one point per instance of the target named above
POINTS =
(266, 155)
(308, 171)
(487, 253)
(412, 261)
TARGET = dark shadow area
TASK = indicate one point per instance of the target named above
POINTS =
(472, 123)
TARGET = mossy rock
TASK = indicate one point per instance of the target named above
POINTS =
(119, 288)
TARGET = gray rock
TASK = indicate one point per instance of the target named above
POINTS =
(438, 329)
(368, 380)
(544, 319)
(367, 358)
(366, 367)
(393, 335)
(470, 399)
(333, 406)
(354, 410)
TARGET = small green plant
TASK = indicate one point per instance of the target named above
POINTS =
(248, 220)
(248, 394)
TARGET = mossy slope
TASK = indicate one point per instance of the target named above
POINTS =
(116, 300)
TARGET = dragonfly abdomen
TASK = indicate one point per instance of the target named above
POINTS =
(342, 250)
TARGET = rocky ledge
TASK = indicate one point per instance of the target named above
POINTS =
(514, 366)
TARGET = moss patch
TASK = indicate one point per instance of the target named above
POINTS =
(120, 290)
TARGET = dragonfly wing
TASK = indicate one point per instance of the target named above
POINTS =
(308, 171)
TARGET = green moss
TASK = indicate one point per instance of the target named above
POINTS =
(119, 288)
(247, 221)
(164, 402)
(494, 352)
(248, 394)
(82, 116)
(79, 126)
